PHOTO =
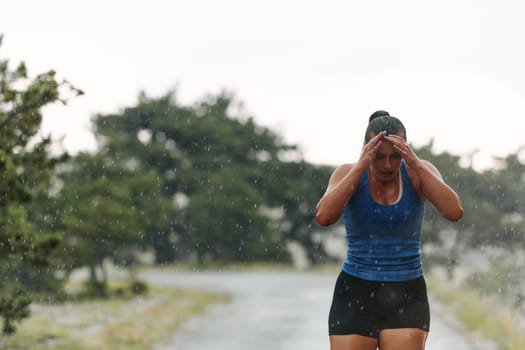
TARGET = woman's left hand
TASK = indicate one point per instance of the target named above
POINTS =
(404, 149)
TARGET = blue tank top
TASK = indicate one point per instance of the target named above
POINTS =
(384, 241)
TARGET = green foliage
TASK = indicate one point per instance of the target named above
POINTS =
(14, 302)
(138, 287)
(105, 209)
(295, 188)
(25, 168)
(493, 202)
(223, 223)
(227, 172)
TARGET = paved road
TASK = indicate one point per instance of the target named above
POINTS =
(269, 310)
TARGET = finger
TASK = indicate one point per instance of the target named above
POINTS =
(400, 145)
(377, 146)
(377, 138)
(394, 138)
(371, 149)
(405, 151)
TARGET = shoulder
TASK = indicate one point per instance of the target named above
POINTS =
(342, 170)
(413, 172)
(431, 167)
(344, 167)
(415, 178)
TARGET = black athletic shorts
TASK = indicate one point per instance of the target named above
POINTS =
(366, 307)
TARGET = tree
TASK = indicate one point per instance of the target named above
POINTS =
(493, 203)
(25, 166)
(295, 187)
(105, 209)
(223, 222)
(195, 151)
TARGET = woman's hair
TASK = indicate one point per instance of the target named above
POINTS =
(383, 121)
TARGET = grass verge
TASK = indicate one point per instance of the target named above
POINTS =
(131, 324)
(481, 315)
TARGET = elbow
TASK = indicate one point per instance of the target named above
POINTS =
(326, 215)
(323, 219)
(455, 215)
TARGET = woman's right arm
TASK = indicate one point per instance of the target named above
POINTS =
(343, 184)
(341, 187)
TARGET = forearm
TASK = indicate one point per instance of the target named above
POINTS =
(340, 190)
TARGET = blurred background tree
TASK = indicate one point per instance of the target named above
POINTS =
(224, 173)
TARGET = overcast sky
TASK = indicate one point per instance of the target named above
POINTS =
(313, 71)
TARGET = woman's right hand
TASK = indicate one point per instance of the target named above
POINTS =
(370, 149)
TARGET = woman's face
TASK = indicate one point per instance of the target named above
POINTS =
(386, 163)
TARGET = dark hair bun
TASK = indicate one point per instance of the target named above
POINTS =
(378, 114)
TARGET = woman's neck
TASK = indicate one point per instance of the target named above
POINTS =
(385, 192)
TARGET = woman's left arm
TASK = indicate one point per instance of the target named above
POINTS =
(434, 188)
(431, 184)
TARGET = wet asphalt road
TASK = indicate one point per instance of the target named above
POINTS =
(269, 310)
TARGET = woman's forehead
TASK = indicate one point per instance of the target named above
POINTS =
(387, 147)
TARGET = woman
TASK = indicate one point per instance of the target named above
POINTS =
(380, 299)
